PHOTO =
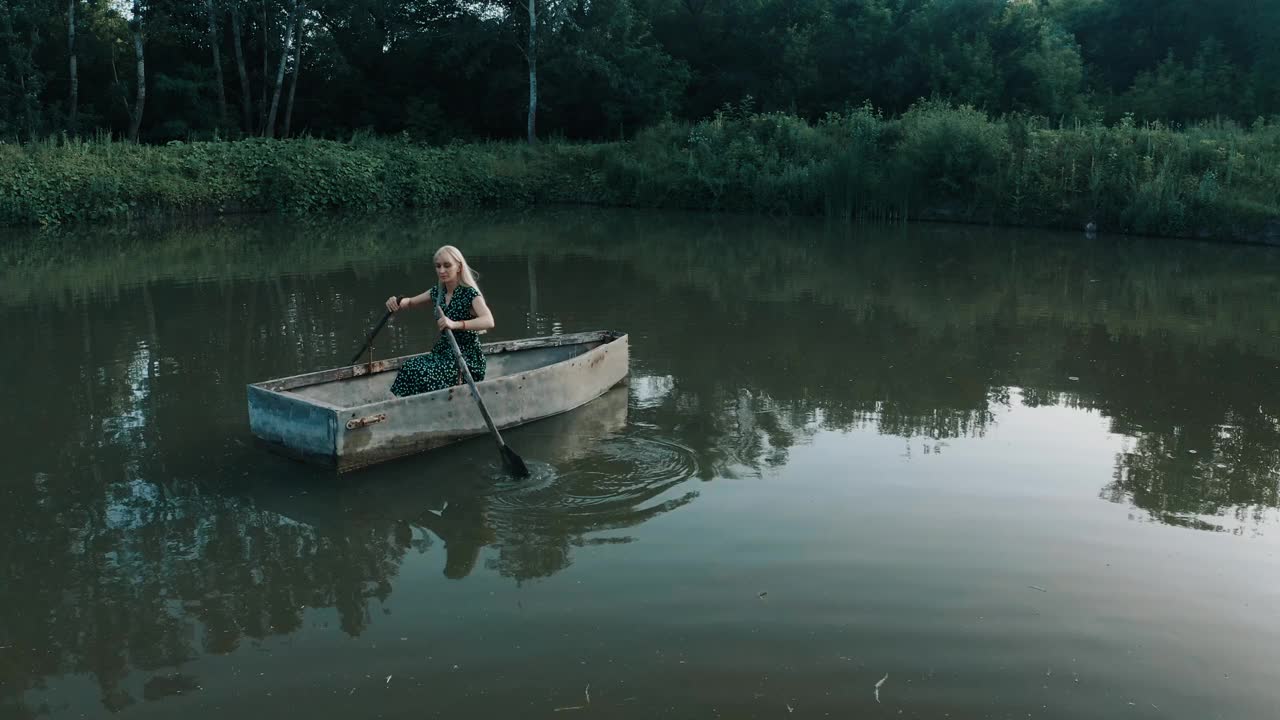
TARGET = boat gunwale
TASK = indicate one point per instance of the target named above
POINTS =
(300, 398)
(605, 337)
(341, 373)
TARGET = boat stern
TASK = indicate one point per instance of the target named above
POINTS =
(293, 426)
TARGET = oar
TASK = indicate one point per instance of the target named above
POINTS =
(509, 456)
(369, 339)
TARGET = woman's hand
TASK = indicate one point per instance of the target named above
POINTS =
(445, 323)
(393, 304)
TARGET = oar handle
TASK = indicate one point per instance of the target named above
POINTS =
(369, 339)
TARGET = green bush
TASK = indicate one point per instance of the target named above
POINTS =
(936, 161)
(948, 155)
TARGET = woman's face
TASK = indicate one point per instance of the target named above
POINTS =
(446, 269)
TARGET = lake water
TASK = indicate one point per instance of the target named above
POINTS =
(1020, 474)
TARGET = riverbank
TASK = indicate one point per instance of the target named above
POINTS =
(935, 162)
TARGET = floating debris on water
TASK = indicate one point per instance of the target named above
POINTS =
(388, 679)
(1037, 587)
(762, 594)
(571, 707)
(587, 693)
(878, 684)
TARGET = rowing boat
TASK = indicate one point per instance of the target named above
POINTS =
(347, 418)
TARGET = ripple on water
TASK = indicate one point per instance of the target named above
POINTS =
(620, 471)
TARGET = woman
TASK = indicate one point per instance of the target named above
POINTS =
(465, 313)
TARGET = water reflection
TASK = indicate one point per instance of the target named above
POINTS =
(161, 572)
(590, 480)
(1196, 476)
(142, 531)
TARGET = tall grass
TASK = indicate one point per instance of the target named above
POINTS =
(942, 162)
(936, 162)
(56, 182)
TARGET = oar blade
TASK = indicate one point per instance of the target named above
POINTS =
(514, 463)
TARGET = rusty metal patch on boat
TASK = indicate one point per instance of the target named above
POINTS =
(354, 423)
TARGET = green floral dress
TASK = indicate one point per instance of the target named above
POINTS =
(437, 369)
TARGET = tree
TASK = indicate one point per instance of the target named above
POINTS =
(1057, 74)
(263, 28)
(73, 100)
(270, 126)
(1177, 91)
(297, 68)
(246, 96)
(532, 21)
(531, 57)
(20, 78)
(215, 45)
(613, 75)
(444, 69)
(140, 71)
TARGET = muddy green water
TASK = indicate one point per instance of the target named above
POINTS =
(1019, 474)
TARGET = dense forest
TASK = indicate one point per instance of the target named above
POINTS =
(439, 70)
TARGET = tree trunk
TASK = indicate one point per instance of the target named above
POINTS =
(246, 94)
(25, 72)
(266, 71)
(73, 103)
(532, 55)
(293, 81)
(140, 101)
(217, 63)
(124, 95)
(269, 129)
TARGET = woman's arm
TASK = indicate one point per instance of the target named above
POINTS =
(482, 321)
(394, 304)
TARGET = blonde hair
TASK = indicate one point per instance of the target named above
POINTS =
(467, 276)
